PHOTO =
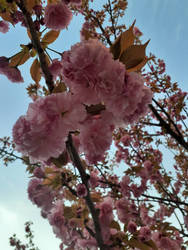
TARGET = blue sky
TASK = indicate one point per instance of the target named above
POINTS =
(162, 21)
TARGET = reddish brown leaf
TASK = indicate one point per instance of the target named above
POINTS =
(19, 58)
(50, 36)
(134, 55)
(115, 48)
(35, 71)
(139, 66)
(127, 38)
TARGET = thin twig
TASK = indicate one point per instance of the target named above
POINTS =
(112, 19)
(102, 29)
(165, 199)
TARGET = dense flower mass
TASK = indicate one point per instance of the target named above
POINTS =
(91, 72)
(133, 101)
(94, 195)
(93, 77)
(100, 78)
(57, 16)
(41, 134)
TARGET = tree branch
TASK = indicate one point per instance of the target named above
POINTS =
(37, 45)
(165, 199)
(166, 126)
(94, 212)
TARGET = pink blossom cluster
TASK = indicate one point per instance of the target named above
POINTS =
(42, 132)
(40, 195)
(93, 77)
(57, 16)
(163, 242)
(91, 73)
(174, 102)
(105, 217)
(81, 190)
(67, 229)
(12, 73)
(123, 205)
(99, 131)
(88, 29)
(63, 228)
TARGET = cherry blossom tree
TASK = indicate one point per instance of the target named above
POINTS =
(87, 138)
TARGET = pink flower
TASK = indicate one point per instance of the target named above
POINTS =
(87, 244)
(87, 31)
(3, 64)
(4, 27)
(123, 210)
(18, 17)
(91, 72)
(39, 172)
(132, 102)
(137, 32)
(106, 214)
(81, 190)
(96, 137)
(165, 243)
(39, 194)
(12, 73)
(124, 184)
(131, 227)
(41, 134)
(57, 16)
(105, 217)
(94, 179)
(146, 219)
(55, 68)
(55, 216)
(148, 166)
(126, 139)
(144, 233)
